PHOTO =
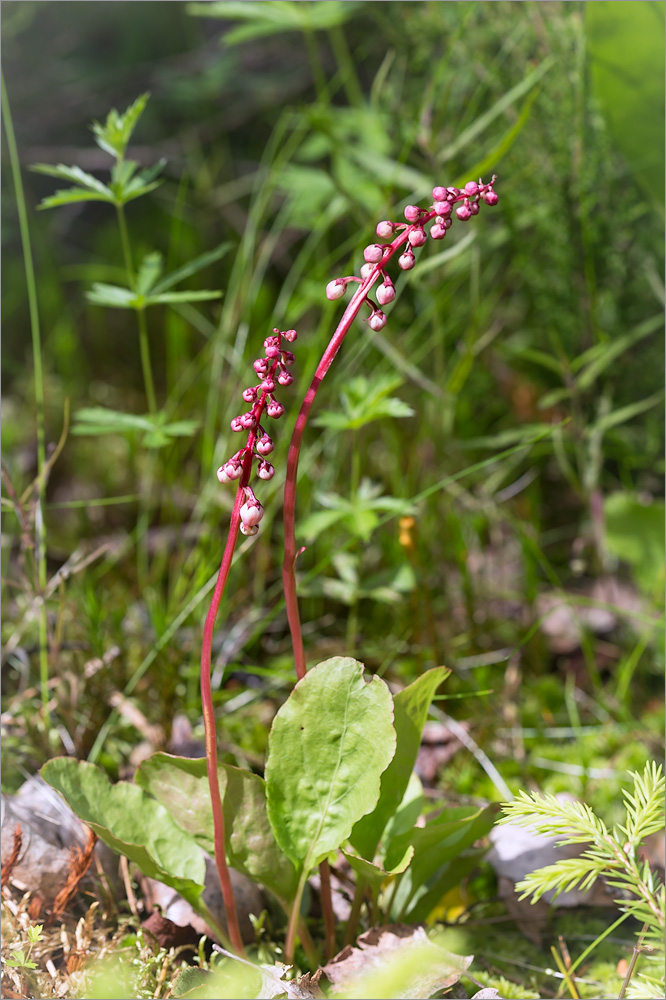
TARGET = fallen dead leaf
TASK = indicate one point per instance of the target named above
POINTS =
(395, 951)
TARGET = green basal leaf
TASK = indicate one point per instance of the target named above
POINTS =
(411, 708)
(131, 823)
(114, 135)
(181, 785)
(328, 746)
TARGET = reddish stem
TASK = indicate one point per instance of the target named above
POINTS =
(206, 692)
(327, 909)
(335, 343)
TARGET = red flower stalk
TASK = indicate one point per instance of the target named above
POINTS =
(377, 255)
(246, 514)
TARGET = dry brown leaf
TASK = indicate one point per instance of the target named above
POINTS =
(381, 947)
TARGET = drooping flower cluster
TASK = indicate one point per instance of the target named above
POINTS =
(413, 233)
(272, 370)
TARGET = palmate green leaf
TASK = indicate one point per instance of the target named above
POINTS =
(410, 707)
(192, 267)
(77, 176)
(328, 746)
(359, 514)
(272, 17)
(112, 296)
(114, 135)
(97, 420)
(364, 400)
(181, 785)
(149, 271)
(130, 822)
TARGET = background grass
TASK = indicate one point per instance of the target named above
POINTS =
(528, 347)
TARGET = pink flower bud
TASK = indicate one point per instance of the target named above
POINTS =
(474, 207)
(417, 237)
(463, 212)
(384, 229)
(443, 208)
(407, 260)
(335, 289)
(490, 197)
(285, 378)
(438, 231)
(264, 445)
(249, 395)
(373, 253)
(272, 347)
(247, 530)
(222, 475)
(452, 193)
(412, 213)
(290, 336)
(261, 366)
(447, 223)
(235, 424)
(268, 384)
(275, 409)
(248, 420)
(385, 293)
(471, 188)
(439, 193)
(366, 270)
(287, 358)
(377, 321)
(251, 514)
(265, 470)
(230, 470)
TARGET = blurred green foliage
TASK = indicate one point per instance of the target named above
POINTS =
(289, 130)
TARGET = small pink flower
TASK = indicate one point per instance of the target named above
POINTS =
(235, 424)
(417, 237)
(407, 260)
(275, 409)
(373, 254)
(490, 197)
(463, 212)
(251, 514)
(443, 208)
(384, 229)
(265, 445)
(261, 366)
(265, 470)
(377, 320)
(471, 188)
(366, 270)
(335, 289)
(439, 193)
(285, 378)
(272, 347)
(438, 230)
(287, 358)
(247, 530)
(268, 384)
(385, 293)
(290, 336)
(248, 420)
(412, 213)
(249, 395)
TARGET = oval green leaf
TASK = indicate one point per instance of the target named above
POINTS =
(181, 785)
(130, 822)
(328, 746)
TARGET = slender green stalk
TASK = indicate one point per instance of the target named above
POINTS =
(145, 362)
(124, 239)
(40, 526)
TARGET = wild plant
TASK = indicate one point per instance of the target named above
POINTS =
(613, 855)
(341, 749)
